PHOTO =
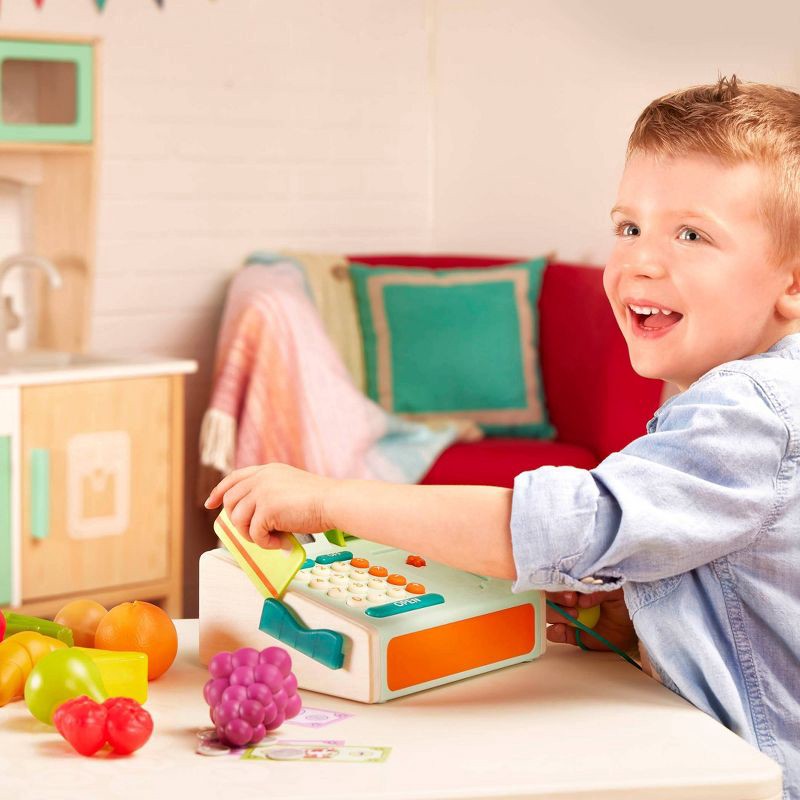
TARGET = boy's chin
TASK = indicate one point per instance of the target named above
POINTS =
(656, 372)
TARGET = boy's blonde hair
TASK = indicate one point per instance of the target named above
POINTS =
(736, 121)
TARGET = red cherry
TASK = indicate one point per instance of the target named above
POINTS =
(82, 722)
(128, 726)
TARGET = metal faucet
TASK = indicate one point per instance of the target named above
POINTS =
(9, 319)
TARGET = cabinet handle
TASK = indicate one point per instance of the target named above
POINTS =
(40, 493)
(6, 573)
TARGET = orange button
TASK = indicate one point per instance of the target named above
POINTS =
(415, 561)
(378, 572)
(396, 580)
(415, 588)
(359, 563)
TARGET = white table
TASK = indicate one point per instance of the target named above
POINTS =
(570, 725)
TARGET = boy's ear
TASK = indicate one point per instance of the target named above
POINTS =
(788, 304)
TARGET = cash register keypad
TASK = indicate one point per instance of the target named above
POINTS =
(361, 585)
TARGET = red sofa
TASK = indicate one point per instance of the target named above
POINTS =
(595, 400)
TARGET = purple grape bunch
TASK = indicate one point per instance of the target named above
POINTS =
(250, 693)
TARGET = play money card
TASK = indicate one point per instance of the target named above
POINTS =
(353, 754)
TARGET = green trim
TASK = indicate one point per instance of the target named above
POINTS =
(40, 493)
(6, 561)
(81, 130)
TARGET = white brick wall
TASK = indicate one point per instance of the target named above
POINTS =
(357, 125)
(234, 125)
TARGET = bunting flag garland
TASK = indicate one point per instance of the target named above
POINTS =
(101, 4)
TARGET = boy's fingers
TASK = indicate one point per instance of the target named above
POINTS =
(553, 616)
(229, 480)
(241, 514)
(235, 494)
(562, 598)
(565, 634)
(592, 599)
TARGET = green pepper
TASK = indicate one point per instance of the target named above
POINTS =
(19, 622)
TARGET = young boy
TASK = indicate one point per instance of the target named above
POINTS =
(698, 521)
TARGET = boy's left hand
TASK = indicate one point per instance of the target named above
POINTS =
(267, 500)
(614, 624)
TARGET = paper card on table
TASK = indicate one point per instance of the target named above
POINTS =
(316, 717)
(353, 754)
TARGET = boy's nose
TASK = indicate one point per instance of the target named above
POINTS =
(646, 262)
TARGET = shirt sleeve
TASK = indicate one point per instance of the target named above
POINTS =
(701, 485)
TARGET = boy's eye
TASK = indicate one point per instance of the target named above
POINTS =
(626, 229)
(689, 235)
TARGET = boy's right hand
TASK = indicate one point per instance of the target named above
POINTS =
(614, 623)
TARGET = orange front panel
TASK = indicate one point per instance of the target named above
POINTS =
(459, 646)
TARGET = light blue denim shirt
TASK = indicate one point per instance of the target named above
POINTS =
(699, 522)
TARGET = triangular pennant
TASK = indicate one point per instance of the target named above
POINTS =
(39, 3)
(101, 4)
(160, 3)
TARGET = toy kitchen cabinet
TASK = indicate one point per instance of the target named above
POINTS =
(91, 482)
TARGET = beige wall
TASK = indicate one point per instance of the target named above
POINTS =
(534, 102)
(462, 125)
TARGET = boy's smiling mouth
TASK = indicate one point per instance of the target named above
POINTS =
(651, 319)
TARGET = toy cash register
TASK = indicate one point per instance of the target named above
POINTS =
(365, 621)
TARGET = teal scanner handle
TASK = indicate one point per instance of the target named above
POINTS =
(321, 644)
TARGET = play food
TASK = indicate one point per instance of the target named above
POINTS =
(119, 721)
(82, 722)
(589, 616)
(141, 627)
(19, 622)
(128, 725)
(60, 676)
(18, 655)
(124, 673)
(250, 693)
(82, 617)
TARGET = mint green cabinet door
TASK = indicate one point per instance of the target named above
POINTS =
(46, 91)
(5, 520)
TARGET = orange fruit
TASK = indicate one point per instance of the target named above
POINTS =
(141, 627)
(82, 617)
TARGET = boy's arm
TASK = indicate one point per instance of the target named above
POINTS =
(467, 527)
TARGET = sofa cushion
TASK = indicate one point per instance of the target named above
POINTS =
(497, 461)
(455, 343)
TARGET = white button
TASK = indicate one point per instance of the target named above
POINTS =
(320, 583)
(376, 597)
(303, 575)
(598, 580)
(588, 579)
(356, 601)
(376, 583)
(336, 593)
(342, 567)
(321, 569)
(396, 593)
(339, 580)
(354, 571)
(356, 587)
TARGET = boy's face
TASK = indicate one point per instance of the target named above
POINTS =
(690, 240)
